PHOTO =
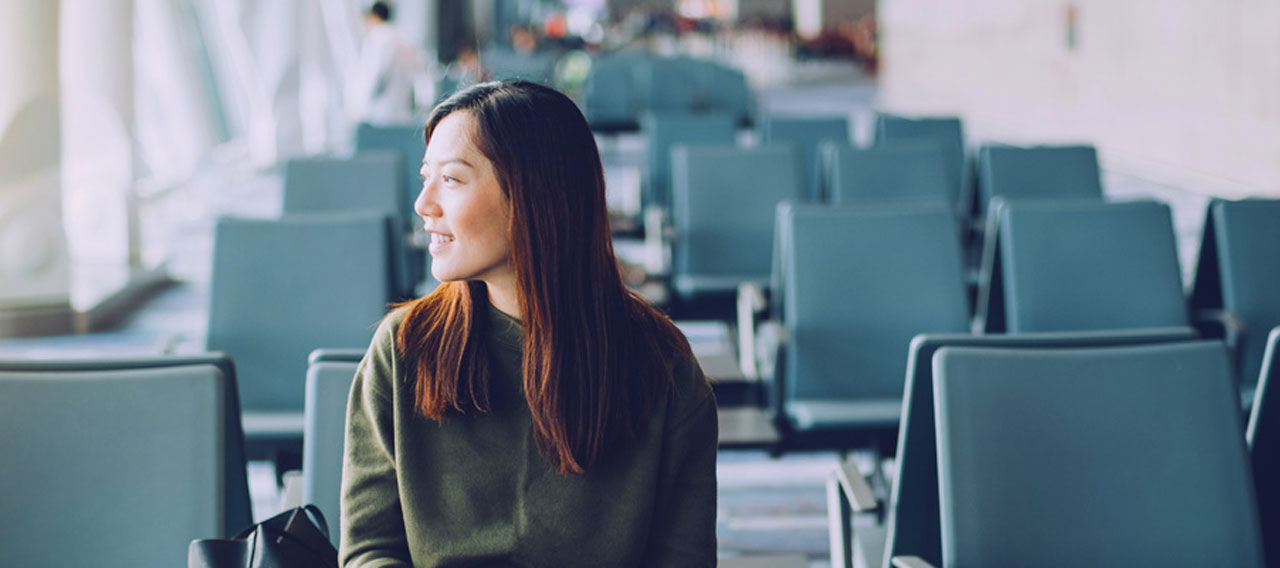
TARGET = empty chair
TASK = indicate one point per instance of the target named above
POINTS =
(1263, 438)
(947, 133)
(370, 181)
(1038, 172)
(904, 172)
(804, 134)
(724, 204)
(407, 140)
(859, 284)
(912, 526)
(609, 98)
(1239, 274)
(1081, 265)
(1116, 456)
(664, 131)
(538, 67)
(282, 287)
(118, 462)
(329, 376)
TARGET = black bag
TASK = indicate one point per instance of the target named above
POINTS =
(297, 538)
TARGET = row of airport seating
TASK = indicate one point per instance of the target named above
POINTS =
(1082, 448)
(1070, 449)
(624, 86)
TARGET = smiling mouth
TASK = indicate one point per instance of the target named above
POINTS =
(438, 239)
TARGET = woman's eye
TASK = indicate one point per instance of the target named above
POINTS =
(450, 179)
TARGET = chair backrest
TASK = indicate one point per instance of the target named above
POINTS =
(947, 132)
(859, 284)
(113, 466)
(1239, 271)
(1089, 457)
(1084, 265)
(408, 141)
(609, 92)
(370, 182)
(329, 376)
(723, 211)
(913, 513)
(281, 287)
(1038, 172)
(903, 172)
(804, 134)
(1263, 436)
(663, 131)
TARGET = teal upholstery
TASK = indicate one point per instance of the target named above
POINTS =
(1118, 456)
(329, 376)
(804, 134)
(663, 132)
(913, 516)
(902, 172)
(724, 204)
(1086, 265)
(118, 462)
(370, 182)
(947, 133)
(1038, 172)
(282, 287)
(1239, 272)
(622, 87)
(1263, 436)
(859, 284)
(502, 63)
(408, 141)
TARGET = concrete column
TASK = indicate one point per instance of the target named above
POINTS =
(34, 281)
(98, 155)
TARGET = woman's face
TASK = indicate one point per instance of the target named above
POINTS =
(463, 208)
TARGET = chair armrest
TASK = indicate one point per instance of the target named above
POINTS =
(847, 493)
(910, 562)
(658, 236)
(751, 302)
(291, 495)
(1217, 323)
(855, 488)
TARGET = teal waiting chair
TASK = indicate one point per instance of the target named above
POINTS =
(281, 287)
(663, 131)
(912, 526)
(804, 134)
(1037, 172)
(902, 173)
(1080, 265)
(329, 376)
(947, 133)
(858, 285)
(1263, 437)
(408, 141)
(1237, 278)
(119, 462)
(367, 182)
(725, 200)
(1118, 456)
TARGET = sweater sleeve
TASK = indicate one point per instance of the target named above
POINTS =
(684, 524)
(372, 526)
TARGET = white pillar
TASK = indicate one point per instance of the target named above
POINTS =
(34, 286)
(98, 154)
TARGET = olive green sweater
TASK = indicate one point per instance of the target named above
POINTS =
(474, 491)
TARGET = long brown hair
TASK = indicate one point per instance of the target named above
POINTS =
(596, 357)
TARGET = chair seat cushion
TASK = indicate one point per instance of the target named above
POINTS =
(827, 414)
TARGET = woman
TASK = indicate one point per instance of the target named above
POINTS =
(531, 411)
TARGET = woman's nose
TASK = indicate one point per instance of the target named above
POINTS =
(425, 205)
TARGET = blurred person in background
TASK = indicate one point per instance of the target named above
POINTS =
(382, 89)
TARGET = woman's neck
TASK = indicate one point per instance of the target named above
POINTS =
(502, 295)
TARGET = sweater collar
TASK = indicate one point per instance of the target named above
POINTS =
(505, 330)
